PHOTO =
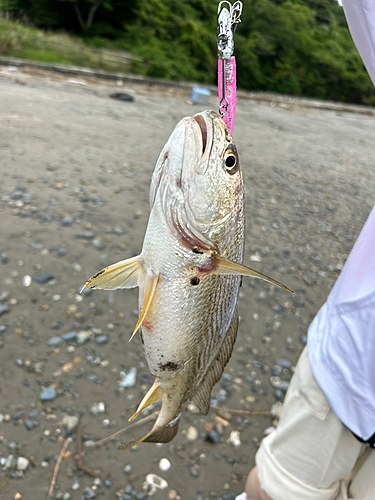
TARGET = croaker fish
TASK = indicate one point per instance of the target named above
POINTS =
(189, 271)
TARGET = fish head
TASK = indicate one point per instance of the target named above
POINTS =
(198, 181)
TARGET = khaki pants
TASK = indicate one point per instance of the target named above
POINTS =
(312, 455)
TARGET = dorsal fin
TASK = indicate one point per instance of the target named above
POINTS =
(123, 274)
(150, 287)
(152, 396)
(202, 397)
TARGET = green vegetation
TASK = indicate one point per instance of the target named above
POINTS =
(299, 47)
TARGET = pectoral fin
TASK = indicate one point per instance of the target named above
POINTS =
(123, 274)
(224, 266)
(152, 396)
(150, 287)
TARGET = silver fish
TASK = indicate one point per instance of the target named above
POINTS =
(190, 269)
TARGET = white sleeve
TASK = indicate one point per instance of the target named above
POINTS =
(360, 15)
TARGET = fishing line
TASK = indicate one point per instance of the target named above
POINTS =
(228, 18)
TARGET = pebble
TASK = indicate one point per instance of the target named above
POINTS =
(43, 278)
(128, 379)
(88, 494)
(127, 469)
(97, 409)
(10, 462)
(284, 363)
(22, 463)
(75, 485)
(192, 434)
(164, 464)
(83, 337)
(48, 394)
(140, 496)
(26, 280)
(54, 341)
(3, 309)
(102, 339)
(69, 337)
(85, 235)
(234, 439)
(212, 437)
(67, 221)
(118, 231)
(70, 422)
(17, 496)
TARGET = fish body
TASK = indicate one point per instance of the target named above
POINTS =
(189, 270)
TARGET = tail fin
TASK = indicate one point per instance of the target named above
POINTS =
(156, 435)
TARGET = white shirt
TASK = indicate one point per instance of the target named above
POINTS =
(341, 339)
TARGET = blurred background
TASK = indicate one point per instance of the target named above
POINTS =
(75, 170)
(297, 47)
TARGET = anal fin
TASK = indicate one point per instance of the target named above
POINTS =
(202, 397)
(152, 396)
(156, 435)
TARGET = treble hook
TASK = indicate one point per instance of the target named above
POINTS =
(226, 26)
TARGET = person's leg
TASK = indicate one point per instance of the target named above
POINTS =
(311, 452)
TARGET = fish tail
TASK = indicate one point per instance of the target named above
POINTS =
(158, 434)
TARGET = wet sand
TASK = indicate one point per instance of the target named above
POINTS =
(75, 169)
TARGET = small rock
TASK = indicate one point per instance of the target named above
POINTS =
(75, 485)
(26, 280)
(69, 337)
(10, 462)
(48, 394)
(88, 494)
(102, 339)
(17, 496)
(83, 337)
(128, 379)
(85, 235)
(234, 439)
(118, 230)
(44, 277)
(67, 221)
(107, 484)
(127, 469)
(70, 422)
(164, 464)
(3, 310)
(284, 363)
(212, 437)
(97, 409)
(54, 341)
(22, 463)
(192, 434)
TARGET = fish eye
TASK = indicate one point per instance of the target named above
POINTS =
(230, 162)
(195, 281)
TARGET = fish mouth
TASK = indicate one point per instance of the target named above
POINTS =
(203, 125)
(203, 128)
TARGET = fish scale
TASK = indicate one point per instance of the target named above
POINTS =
(189, 270)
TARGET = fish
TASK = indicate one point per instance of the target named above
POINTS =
(189, 270)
